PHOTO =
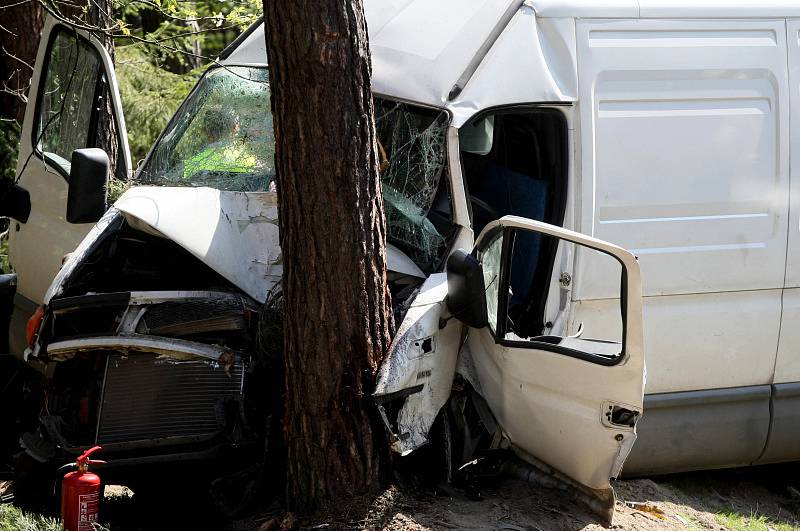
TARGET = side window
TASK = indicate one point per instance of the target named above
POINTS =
(491, 259)
(67, 99)
(510, 274)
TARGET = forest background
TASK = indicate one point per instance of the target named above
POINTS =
(161, 47)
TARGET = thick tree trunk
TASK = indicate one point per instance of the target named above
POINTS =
(19, 35)
(100, 15)
(338, 321)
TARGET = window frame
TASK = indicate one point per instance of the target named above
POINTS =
(499, 334)
(91, 133)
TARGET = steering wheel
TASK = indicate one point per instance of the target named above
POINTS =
(483, 210)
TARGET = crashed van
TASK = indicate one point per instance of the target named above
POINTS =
(149, 332)
(524, 147)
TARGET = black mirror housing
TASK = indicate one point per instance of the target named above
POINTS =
(15, 202)
(86, 199)
(466, 293)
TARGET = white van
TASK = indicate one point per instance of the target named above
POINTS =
(549, 128)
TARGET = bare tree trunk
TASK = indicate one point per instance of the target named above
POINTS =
(19, 36)
(338, 321)
(101, 16)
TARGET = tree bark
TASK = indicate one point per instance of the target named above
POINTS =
(19, 35)
(337, 307)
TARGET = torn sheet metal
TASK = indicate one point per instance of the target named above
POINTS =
(177, 349)
(423, 355)
(234, 233)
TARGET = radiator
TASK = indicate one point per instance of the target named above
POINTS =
(146, 399)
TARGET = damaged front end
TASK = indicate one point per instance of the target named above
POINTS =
(166, 370)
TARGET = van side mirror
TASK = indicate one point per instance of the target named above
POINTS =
(466, 293)
(15, 202)
(86, 199)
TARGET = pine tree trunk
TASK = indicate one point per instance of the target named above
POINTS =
(19, 34)
(338, 321)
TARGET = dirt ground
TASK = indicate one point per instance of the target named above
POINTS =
(763, 498)
(738, 500)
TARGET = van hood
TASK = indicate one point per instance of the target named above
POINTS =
(234, 233)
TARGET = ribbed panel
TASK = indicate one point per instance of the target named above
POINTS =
(171, 313)
(148, 398)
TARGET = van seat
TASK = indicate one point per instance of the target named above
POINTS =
(517, 194)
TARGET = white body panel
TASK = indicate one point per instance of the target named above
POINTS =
(37, 248)
(234, 233)
(549, 405)
(787, 364)
(684, 133)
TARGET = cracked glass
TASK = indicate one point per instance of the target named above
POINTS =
(67, 98)
(491, 262)
(412, 149)
(220, 137)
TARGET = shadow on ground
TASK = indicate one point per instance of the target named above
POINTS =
(762, 498)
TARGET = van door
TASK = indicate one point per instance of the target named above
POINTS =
(684, 135)
(73, 79)
(569, 404)
(785, 399)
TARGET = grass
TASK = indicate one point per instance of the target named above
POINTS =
(13, 519)
(754, 522)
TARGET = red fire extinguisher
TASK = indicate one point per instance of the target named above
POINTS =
(80, 494)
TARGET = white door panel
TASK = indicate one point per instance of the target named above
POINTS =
(552, 395)
(551, 406)
(684, 135)
(36, 248)
(702, 341)
(684, 155)
(793, 254)
(787, 365)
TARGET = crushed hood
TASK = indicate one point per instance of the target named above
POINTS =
(234, 233)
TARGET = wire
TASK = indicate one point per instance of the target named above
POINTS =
(55, 115)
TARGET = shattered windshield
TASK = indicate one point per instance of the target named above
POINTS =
(412, 148)
(220, 137)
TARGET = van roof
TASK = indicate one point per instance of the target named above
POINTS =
(665, 8)
(392, 22)
(425, 50)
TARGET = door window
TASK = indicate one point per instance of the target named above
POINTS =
(66, 105)
(510, 271)
(491, 258)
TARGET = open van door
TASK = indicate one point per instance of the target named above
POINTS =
(568, 405)
(72, 84)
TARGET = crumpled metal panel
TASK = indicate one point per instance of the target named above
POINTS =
(234, 233)
(421, 354)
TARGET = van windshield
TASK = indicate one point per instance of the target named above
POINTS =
(222, 137)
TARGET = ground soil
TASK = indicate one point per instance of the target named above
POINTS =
(762, 498)
(736, 500)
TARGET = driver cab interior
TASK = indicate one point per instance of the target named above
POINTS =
(514, 162)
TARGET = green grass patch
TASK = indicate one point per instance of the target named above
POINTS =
(14, 519)
(753, 522)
